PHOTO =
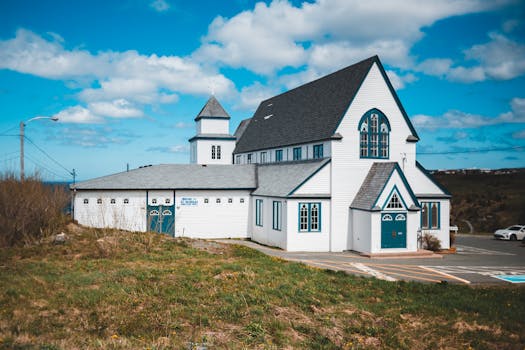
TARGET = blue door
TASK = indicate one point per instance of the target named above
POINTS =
(161, 219)
(393, 230)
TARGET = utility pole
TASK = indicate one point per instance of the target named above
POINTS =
(22, 127)
(22, 151)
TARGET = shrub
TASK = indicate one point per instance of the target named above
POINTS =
(431, 242)
(29, 209)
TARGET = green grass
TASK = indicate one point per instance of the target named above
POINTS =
(149, 291)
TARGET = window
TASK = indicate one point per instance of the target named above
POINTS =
(394, 203)
(238, 159)
(206, 200)
(113, 201)
(230, 200)
(279, 155)
(263, 157)
(309, 217)
(374, 130)
(99, 201)
(430, 215)
(297, 153)
(218, 200)
(258, 212)
(241, 200)
(126, 201)
(218, 152)
(154, 201)
(86, 201)
(318, 151)
(249, 159)
(212, 152)
(167, 201)
(277, 215)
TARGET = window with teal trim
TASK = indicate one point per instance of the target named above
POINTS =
(279, 155)
(374, 139)
(309, 217)
(263, 157)
(297, 153)
(212, 152)
(430, 215)
(277, 215)
(258, 212)
(318, 151)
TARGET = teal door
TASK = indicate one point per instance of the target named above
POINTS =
(161, 219)
(393, 230)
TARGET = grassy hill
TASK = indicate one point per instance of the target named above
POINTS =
(487, 200)
(121, 290)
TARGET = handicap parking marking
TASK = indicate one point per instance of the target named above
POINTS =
(511, 278)
(373, 272)
(467, 250)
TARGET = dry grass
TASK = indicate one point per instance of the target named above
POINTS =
(108, 289)
(29, 210)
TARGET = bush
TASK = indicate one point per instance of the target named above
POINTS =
(29, 210)
(431, 242)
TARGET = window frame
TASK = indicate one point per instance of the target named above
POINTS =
(278, 155)
(258, 212)
(318, 151)
(427, 212)
(263, 157)
(249, 158)
(213, 152)
(218, 152)
(374, 135)
(297, 153)
(277, 211)
(309, 212)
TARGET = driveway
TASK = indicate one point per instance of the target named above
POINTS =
(479, 259)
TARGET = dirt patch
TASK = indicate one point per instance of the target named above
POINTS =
(207, 246)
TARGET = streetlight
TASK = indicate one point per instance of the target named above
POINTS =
(22, 125)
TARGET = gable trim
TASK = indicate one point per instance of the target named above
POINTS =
(405, 182)
(309, 177)
(389, 197)
(431, 178)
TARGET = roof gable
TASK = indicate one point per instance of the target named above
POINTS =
(212, 109)
(310, 112)
(375, 183)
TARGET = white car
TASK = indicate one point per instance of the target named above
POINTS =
(513, 233)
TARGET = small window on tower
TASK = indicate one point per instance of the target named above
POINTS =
(218, 152)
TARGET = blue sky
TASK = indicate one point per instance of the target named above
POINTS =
(126, 78)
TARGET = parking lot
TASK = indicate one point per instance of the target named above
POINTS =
(479, 260)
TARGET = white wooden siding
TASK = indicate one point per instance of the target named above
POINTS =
(317, 184)
(130, 216)
(308, 241)
(203, 151)
(213, 126)
(265, 234)
(212, 219)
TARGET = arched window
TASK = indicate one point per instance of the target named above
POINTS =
(374, 130)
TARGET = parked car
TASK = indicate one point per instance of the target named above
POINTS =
(512, 233)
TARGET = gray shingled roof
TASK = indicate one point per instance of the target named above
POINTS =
(281, 179)
(177, 176)
(372, 186)
(241, 128)
(212, 109)
(310, 112)
(212, 137)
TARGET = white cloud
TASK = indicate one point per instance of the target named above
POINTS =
(171, 149)
(325, 34)
(400, 81)
(461, 120)
(183, 125)
(499, 59)
(77, 115)
(120, 108)
(251, 96)
(120, 76)
(519, 134)
(160, 5)
(91, 136)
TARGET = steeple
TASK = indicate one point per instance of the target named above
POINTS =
(213, 143)
(212, 109)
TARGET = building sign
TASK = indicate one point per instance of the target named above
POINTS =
(188, 201)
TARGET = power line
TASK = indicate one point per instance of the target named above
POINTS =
(9, 129)
(45, 168)
(47, 155)
(473, 150)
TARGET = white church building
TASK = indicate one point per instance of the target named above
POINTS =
(328, 166)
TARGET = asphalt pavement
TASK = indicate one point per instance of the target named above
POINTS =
(478, 260)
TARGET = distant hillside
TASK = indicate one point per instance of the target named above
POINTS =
(487, 199)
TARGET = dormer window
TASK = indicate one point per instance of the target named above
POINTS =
(374, 130)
